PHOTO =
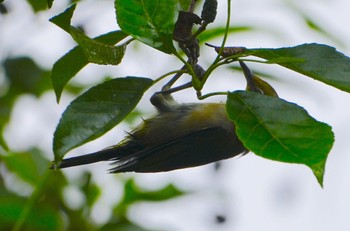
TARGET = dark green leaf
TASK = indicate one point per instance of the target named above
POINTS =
(278, 130)
(71, 63)
(49, 3)
(66, 68)
(151, 22)
(97, 111)
(63, 20)
(320, 62)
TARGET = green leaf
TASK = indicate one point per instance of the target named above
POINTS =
(151, 22)
(216, 32)
(133, 194)
(97, 52)
(91, 191)
(39, 218)
(38, 5)
(29, 166)
(278, 130)
(317, 61)
(97, 111)
(71, 63)
(3, 143)
(184, 4)
(63, 20)
(49, 3)
(66, 68)
(25, 76)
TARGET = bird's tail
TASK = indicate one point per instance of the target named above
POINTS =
(103, 155)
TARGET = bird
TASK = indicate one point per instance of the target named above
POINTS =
(180, 135)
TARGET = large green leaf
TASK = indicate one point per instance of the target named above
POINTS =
(97, 111)
(318, 61)
(149, 21)
(276, 129)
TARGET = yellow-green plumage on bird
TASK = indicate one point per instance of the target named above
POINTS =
(179, 136)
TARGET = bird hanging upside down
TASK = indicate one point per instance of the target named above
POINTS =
(179, 136)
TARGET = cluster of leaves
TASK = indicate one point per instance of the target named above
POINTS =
(268, 126)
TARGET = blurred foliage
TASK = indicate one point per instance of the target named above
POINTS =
(38, 5)
(47, 208)
(22, 76)
(32, 196)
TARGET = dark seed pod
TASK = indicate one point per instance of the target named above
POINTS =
(209, 10)
(228, 51)
(199, 71)
(184, 24)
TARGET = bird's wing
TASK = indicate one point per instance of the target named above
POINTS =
(197, 148)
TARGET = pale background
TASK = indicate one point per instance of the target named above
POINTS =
(251, 192)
